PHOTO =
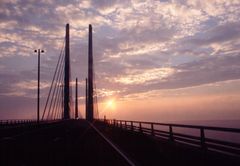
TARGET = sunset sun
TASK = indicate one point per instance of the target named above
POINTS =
(110, 104)
(120, 82)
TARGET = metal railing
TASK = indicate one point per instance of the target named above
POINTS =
(20, 122)
(173, 133)
(16, 121)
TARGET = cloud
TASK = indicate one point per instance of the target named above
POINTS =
(217, 8)
(156, 45)
(31, 85)
(227, 88)
(192, 74)
(219, 34)
(135, 77)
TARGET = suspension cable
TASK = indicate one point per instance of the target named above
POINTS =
(53, 81)
(59, 95)
(53, 99)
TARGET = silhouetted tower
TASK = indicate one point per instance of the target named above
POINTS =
(76, 100)
(86, 105)
(90, 76)
(66, 114)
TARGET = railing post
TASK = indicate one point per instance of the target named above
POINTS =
(120, 124)
(140, 127)
(171, 133)
(203, 145)
(114, 123)
(104, 118)
(131, 126)
(152, 129)
(125, 124)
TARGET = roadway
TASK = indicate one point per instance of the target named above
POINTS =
(62, 143)
(77, 142)
(147, 150)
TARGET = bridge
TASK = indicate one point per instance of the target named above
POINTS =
(61, 136)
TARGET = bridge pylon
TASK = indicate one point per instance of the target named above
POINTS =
(66, 114)
(90, 107)
(76, 99)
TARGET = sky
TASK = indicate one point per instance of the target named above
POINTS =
(165, 60)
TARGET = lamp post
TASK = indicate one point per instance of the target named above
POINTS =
(39, 51)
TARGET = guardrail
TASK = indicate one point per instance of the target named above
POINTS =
(16, 121)
(20, 122)
(199, 140)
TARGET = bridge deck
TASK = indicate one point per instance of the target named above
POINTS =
(75, 142)
(62, 143)
(147, 150)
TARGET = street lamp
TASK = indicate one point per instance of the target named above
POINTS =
(39, 51)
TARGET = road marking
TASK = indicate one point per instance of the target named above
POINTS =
(113, 146)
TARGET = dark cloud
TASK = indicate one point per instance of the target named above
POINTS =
(28, 25)
(205, 71)
(218, 34)
(210, 70)
(104, 3)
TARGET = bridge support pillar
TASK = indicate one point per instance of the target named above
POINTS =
(76, 100)
(66, 114)
(90, 107)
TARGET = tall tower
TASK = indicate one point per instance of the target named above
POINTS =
(66, 114)
(86, 104)
(76, 100)
(90, 76)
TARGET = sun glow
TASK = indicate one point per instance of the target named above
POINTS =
(111, 104)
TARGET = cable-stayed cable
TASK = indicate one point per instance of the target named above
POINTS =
(58, 95)
(57, 102)
(52, 82)
(95, 100)
(55, 82)
(55, 93)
